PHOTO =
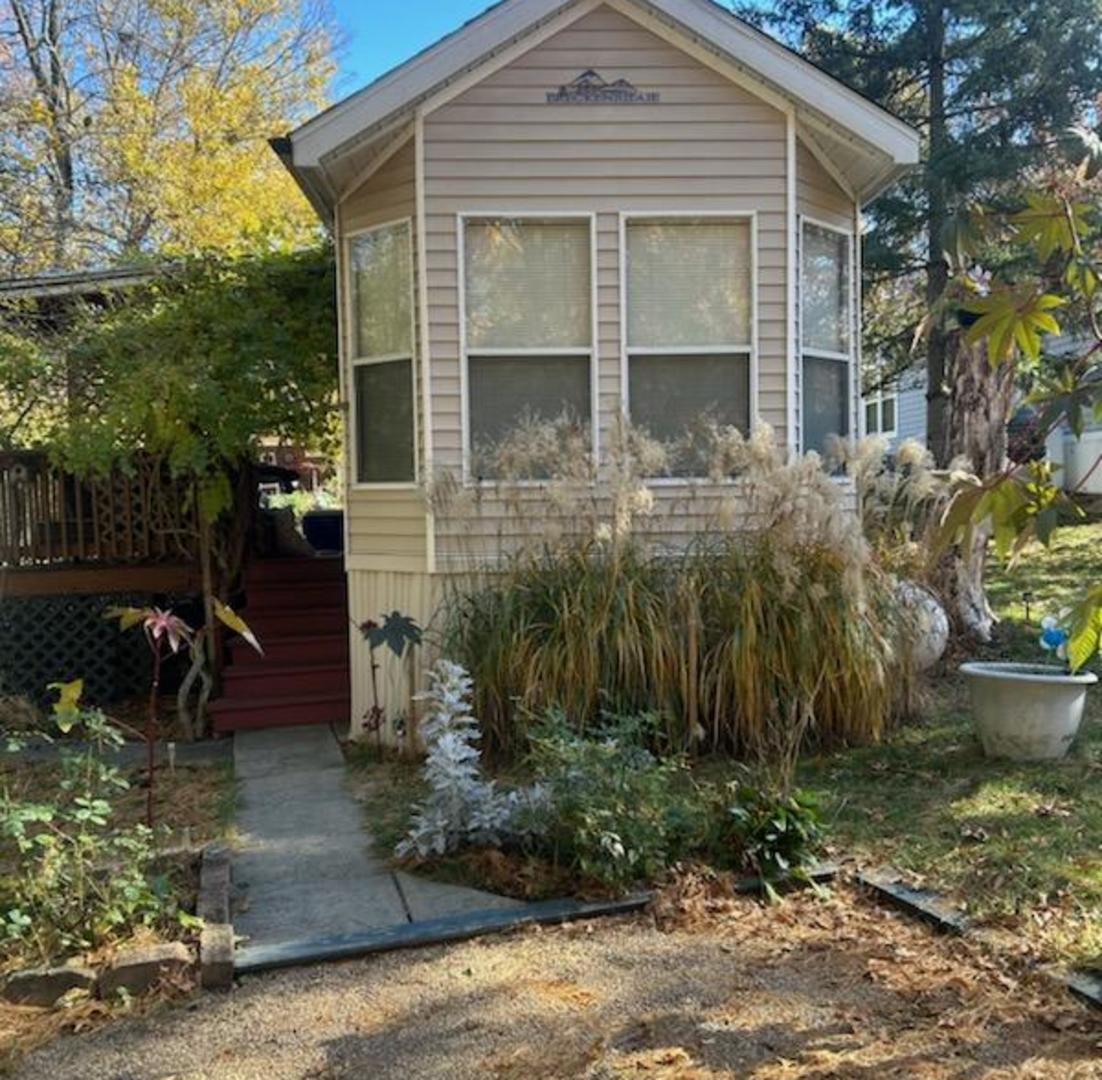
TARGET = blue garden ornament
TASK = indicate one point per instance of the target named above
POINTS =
(1054, 637)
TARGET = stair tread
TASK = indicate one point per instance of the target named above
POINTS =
(300, 639)
(281, 668)
(320, 697)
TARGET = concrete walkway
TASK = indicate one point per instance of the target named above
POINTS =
(304, 863)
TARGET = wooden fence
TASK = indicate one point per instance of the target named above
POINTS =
(51, 518)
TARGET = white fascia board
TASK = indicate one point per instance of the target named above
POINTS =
(400, 87)
(798, 78)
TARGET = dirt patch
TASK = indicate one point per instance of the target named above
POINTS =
(814, 988)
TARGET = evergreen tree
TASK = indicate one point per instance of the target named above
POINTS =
(991, 85)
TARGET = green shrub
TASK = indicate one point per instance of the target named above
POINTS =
(69, 879)
(775, 835)
(617, 813)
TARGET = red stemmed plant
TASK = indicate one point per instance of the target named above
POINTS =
(165, 629)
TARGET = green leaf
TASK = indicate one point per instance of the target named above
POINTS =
(215, 496)
(1050, 223)
(1085, 635)
(1013, 319)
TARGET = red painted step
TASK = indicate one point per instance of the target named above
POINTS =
(265, 712)
(302, 594)
(305, 649)
(294, 569)
(292, 681)
(296, 622)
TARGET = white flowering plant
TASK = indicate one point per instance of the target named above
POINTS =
(463, 808)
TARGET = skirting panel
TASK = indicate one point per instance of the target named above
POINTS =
(371, 595)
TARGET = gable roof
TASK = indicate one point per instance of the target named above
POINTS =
(870, 146)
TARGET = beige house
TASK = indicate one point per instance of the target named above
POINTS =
(593, 207)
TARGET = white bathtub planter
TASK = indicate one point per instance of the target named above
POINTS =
(1029, 712)
(1026, 712)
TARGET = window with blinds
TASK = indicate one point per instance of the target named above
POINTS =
(528, 329)
(689, 315)
(380, 269)
(826, 333)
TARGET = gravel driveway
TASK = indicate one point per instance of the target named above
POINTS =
(814, 988)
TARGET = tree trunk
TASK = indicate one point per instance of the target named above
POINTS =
(937, 271)
(980, 406)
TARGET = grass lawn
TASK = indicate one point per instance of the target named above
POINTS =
(1020, 846)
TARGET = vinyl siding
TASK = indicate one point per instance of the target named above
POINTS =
(386, 529)
(707, 146)
(818, 194)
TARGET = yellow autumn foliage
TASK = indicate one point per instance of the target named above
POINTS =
(167, 132)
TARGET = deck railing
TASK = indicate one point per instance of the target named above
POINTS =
(137, 514)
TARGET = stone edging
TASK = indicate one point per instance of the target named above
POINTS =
(936, 910)
(136, 970)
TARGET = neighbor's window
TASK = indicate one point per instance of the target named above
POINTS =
(689, 330)
(881, 410)
(381, 281)
(528, 329)
(826, 334)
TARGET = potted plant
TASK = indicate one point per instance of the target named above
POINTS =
(1029, 712)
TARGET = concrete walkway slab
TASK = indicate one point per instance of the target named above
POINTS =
(435, 900)
(305, 867)
(304, 860)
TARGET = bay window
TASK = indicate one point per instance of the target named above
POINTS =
(380, 280)
(527, 328)
(689, 329)
(826, 321)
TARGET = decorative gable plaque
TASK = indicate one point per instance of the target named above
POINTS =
(589, 88)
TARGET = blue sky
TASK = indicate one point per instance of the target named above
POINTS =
(381, 33)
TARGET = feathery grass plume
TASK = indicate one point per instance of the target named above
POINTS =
(765, 626)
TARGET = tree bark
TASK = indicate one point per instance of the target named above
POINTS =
(979, 411)
(937, 271)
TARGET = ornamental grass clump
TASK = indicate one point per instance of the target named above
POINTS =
(770, 628)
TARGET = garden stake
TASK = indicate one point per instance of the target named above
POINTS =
(151, 730)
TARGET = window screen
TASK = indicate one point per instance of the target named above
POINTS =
(825, 394)
(527, 284)
(672, 395)
(825, 289)
(887, 413)
(505, 391)
(689, 330)
(381, 268)
(688, 283)
(384, 422)
(528, 287)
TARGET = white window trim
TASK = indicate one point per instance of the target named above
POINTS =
(750, 350)
(461, 219)
(850, 356)
(878, 400)
(354, 362)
